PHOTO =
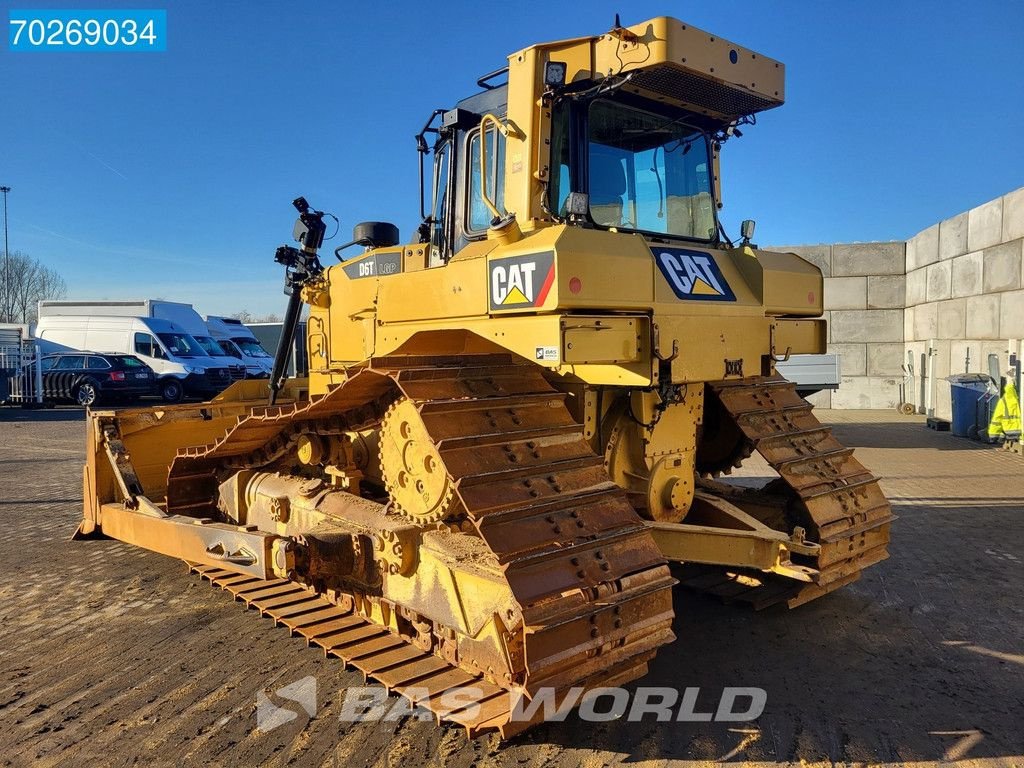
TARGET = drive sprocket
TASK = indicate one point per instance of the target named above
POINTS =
(411, 467)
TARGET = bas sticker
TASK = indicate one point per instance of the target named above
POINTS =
(521, 281)
(693, 275)
(547, 353)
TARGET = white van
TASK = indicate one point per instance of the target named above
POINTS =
(181, 364)
(176, 311)
(232, 334)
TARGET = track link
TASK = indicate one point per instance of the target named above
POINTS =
(402, 668)
(594, 591)
(831, 494)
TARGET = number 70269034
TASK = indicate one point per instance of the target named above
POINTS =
(69, 30)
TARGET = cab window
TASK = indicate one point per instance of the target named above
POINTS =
(146, 345)
(648, 172)
(48, 362)
(560, 185)
(97, 364)
(479, 213)
(439, 210)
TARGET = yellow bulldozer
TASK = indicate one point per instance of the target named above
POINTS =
(513, 425)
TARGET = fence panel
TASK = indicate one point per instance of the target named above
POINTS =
(20, 369)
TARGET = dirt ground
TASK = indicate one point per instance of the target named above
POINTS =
(114, 656)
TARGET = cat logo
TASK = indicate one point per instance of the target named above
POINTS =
(521, 281)
(693, 275)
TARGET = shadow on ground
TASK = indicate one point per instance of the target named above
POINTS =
(904, 434)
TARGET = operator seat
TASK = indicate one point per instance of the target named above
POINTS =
(691, 214)
(607, 186)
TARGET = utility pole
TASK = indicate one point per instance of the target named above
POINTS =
(7, 259)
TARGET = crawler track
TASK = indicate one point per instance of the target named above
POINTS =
(594, 592)
(831, 494)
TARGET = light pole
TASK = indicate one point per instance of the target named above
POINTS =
(7, 259)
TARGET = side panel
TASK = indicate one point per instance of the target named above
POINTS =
(702, 308)
(792, 286)
(352, 316)
(109, 339)
(694, 279)
(453, 291)
(597, 270)
(711, 349)
(800, 337)
(58, 332)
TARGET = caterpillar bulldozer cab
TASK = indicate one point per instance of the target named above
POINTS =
(513, 423)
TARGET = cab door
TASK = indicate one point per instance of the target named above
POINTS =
(152, 354)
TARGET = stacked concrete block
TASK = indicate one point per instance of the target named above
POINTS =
(1011, 315)
(853, 358)
(1013, 216)
(916, 283)
(953, 237)
(955, 288)
(923, 249)
(983, 316)
(965, 293)
(885, 359)
(926, 321)
(868, 259)
(886, 291)
(966, 274)
(985, 225)
(865, 287)
(939, 281)
(866, 326)
(846, 292)
(1001, 265)
(878, 327)
(951, 319)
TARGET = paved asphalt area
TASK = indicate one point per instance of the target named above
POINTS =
(111, 655)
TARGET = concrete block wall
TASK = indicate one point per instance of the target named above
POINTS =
(959, 282)
(865, 285)
(965, 290)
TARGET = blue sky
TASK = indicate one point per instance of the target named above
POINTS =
(170, 175)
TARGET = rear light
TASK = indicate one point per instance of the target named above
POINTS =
(117, 375)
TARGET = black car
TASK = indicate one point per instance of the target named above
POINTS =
(89, 377)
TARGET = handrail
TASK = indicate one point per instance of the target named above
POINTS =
(482, 82)
(503, 129)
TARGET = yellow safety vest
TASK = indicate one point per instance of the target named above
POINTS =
(1007, 414)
